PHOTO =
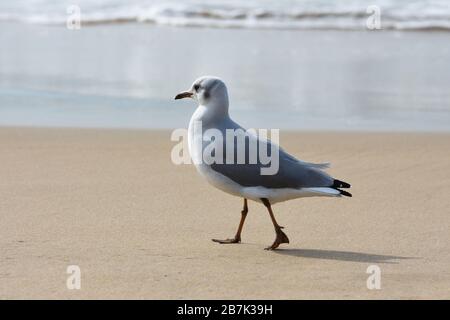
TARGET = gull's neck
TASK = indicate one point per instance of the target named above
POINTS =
(211, 112)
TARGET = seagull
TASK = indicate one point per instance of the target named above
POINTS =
(294, 178)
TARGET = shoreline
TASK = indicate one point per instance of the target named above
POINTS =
(282, 131)
(363, 29)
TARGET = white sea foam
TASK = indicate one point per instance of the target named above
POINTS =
(269, 14)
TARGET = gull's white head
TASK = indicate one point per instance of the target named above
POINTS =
(208, 91)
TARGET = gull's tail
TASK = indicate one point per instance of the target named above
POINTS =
(331, 191)
(337, 184)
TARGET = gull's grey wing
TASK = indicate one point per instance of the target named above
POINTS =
(291, 173)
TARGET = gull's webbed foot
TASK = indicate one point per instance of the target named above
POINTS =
(281, 238)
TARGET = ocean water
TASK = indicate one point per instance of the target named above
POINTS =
(291, 64)
(269, 14)
(126, 76)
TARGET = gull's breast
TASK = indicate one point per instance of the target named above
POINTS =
(195, 143)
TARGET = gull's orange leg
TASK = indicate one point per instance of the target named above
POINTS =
(237, 237)
(281, 236)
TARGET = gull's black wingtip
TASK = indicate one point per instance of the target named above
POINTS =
(340, 184)
(345, 193)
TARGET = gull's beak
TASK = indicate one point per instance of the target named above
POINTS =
(182, 95)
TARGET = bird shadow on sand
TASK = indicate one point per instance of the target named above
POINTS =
(342, 255)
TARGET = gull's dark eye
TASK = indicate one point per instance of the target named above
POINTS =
(196, 87)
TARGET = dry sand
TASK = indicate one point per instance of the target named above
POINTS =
(111, 202)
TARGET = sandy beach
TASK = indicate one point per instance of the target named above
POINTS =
(112, 202)
(87, 109)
